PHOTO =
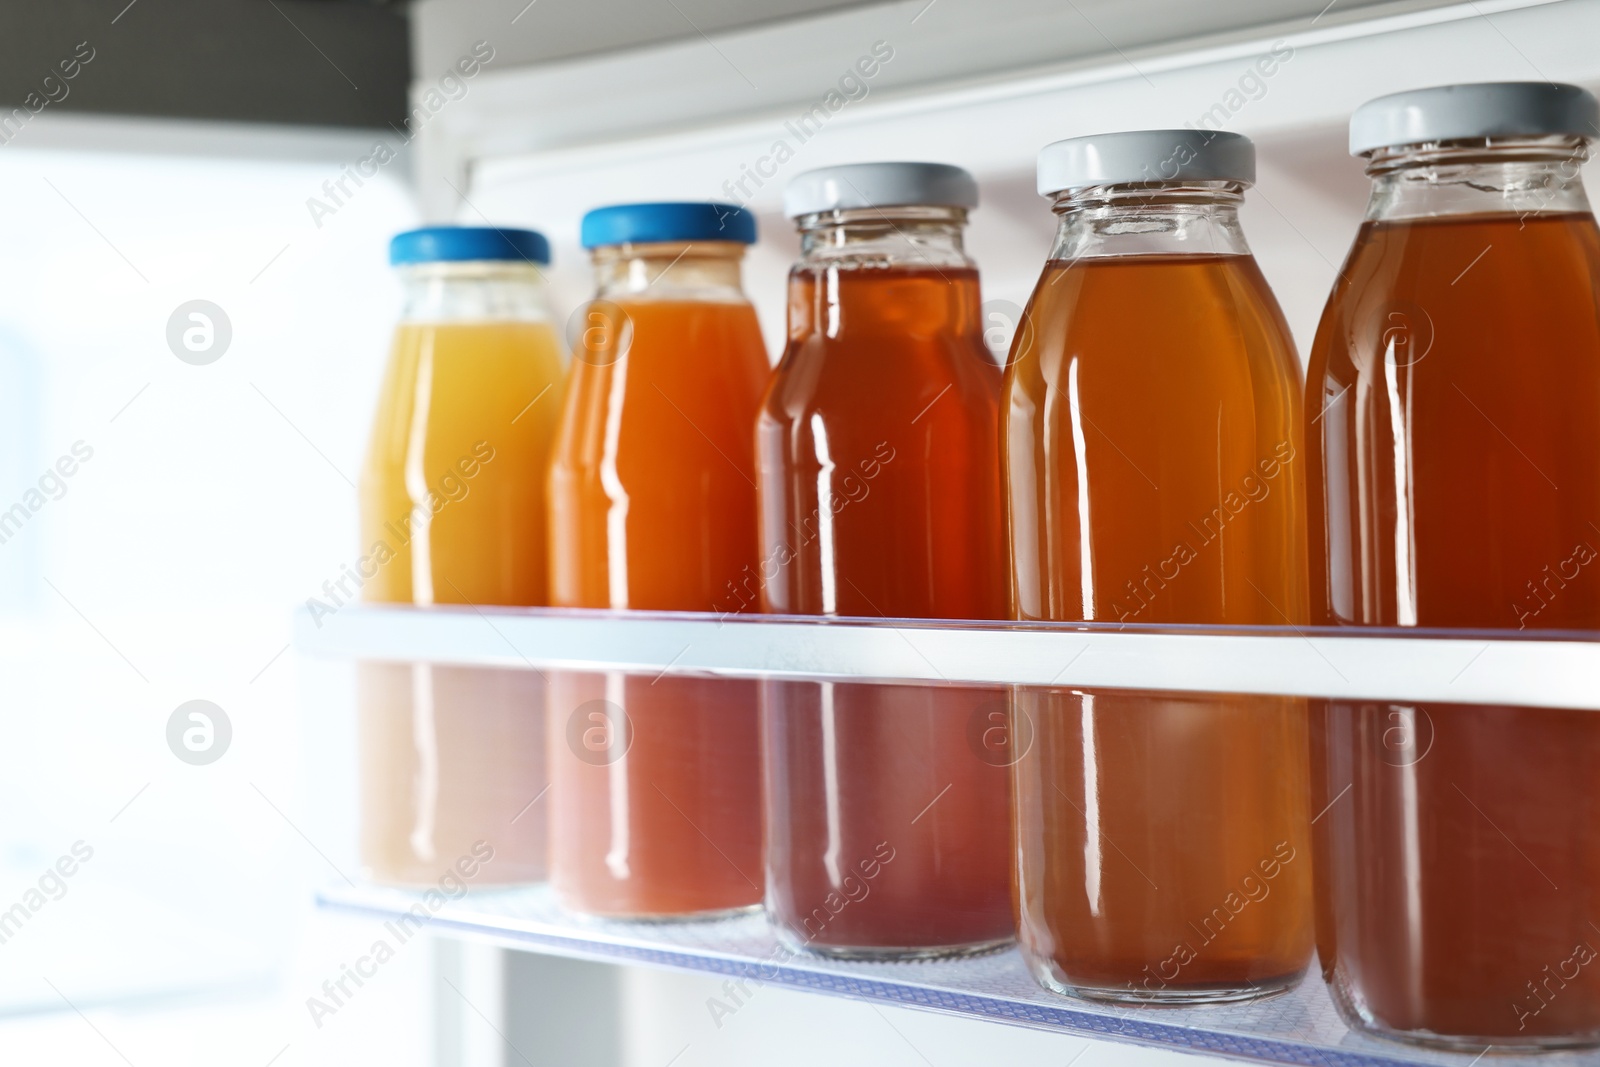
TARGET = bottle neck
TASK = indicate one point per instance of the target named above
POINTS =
(1150, 219)
(1488, 176)
(897, 273)
(904, 236)
(675, 270)
(486, 291)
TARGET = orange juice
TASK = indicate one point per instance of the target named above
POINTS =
(652, 492)
(655, 796)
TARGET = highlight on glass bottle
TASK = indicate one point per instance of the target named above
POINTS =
(1454, 400)
(656, 796)
(879, 494)
(1153, 462)
(453, 512)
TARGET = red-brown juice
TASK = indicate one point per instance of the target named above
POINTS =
(880, 496)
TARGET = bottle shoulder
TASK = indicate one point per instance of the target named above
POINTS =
(1155, 316)
(1458, 284)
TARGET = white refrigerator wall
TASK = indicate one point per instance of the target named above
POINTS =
(1300, 218)
(254, 457)
(720, 118)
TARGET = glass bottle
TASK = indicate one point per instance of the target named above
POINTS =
(1152, 451)
(452, 512)
(656, 798)
(879, 487)
(1454, 395)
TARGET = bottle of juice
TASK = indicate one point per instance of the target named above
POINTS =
(453, 512)
(656, 794)
(1454, 406)
(1153, 457)
(880, 496)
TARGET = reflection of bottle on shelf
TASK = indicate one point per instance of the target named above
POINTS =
(452, 760)
(1153, 453)
(655, 796)
(453, 512)
(880, 496)
(1454, 402)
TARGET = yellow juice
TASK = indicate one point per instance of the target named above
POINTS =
(453, 490)
(453, 512)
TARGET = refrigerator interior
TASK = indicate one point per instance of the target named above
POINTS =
(213, 501)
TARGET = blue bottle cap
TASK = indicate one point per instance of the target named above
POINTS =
(460, 244)
(650, 223)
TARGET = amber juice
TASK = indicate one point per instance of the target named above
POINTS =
(880, 496)
(655, 798)
(1455, 393)
(1153, 453)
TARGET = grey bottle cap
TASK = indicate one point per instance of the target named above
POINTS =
(1146, 156)
(1482, 109)
(868, 185)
